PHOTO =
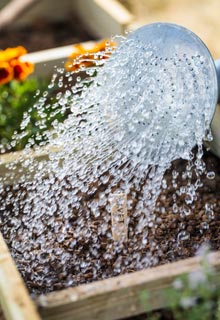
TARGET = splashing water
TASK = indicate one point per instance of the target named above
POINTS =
(129, 120)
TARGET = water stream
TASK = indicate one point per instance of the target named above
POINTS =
(130, 119)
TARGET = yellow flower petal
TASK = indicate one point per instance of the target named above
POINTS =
(12, 53)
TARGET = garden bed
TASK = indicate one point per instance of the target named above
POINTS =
(115, 298)
(43, 34)
(170, 238)
(173, 237)
(115, 290)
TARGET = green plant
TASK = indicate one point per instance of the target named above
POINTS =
(20, 100)
(194, 296)
(194, 302)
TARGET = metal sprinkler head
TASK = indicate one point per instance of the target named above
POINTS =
(196, 75)
(170, 39)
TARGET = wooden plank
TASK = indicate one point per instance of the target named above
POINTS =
(14, 298)
(118, 297)
(10, 176)
(12, 10)
(46, 61)
(116, 10)
(104, 18)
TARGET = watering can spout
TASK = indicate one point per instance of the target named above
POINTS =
(214, 145)
(217, 65)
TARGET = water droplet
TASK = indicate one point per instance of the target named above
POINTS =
(183, 235)
(210, 175)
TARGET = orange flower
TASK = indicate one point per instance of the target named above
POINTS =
(83, 58)
(6, 72)
(11, 67)
(12, 53)
(21, 69)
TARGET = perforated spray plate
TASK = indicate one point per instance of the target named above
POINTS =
(166, 92)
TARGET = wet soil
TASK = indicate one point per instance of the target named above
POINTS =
(172, 237)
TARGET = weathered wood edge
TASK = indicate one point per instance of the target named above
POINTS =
(14, 297)
(118, 297)
(46, 61)
(16, 159)
(111, 17)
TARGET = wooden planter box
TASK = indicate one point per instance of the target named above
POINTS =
(114, 298)
(110, 299)
(103, 18)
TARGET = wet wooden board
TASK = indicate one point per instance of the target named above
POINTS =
(11, 164)
(121, 296)
(15, 301)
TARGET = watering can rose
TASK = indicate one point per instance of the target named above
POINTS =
(83, 58)
(11, 67)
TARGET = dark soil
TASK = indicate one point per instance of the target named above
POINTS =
(166, 233)
(164, 243)
(44, 35)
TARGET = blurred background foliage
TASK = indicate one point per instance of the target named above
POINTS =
(18, 98)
